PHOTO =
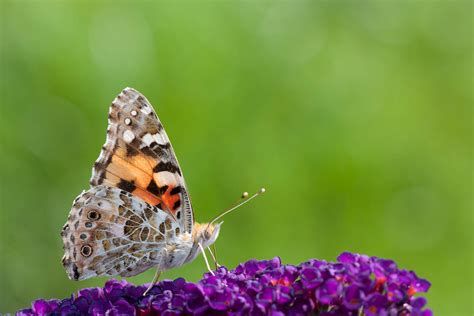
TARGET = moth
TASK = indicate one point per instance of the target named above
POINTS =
(137, 213)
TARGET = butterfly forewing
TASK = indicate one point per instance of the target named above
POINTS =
(138, 157)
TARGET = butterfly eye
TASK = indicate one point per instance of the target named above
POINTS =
(93, 215)
(86, 250)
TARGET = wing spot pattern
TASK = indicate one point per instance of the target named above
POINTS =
(126, 185)
(86, 250)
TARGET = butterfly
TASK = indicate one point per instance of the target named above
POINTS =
(137, 213)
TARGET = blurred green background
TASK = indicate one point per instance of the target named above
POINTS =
(356, 117)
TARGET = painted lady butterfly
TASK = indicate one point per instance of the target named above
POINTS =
(137, 213)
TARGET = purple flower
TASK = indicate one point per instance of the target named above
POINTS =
(355, 284)
(328, 293)
(40, 307)
(352, 297)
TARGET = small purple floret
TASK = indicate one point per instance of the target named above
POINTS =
(354, 285)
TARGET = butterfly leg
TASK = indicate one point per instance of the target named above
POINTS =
(213, 253)
(155, 279)
(205, 258)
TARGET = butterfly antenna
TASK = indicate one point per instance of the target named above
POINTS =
(245, 197)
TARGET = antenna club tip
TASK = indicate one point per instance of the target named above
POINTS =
(262, 190)
(245, 194)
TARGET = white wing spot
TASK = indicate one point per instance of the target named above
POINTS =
(159, 139)
(134, 113)
(148, 139)
(165, 177)
(128, 121)
(128, 136)
(146, 109)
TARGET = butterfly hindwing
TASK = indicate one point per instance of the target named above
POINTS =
(138, 158)
(111, 232)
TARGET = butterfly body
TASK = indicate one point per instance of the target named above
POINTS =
(137, 213)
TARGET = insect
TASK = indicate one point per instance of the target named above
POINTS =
(137, 213)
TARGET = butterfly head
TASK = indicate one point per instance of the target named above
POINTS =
(207, 234)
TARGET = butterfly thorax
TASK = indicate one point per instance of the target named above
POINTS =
(184, 247)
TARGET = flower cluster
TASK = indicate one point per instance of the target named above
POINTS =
(354, 285)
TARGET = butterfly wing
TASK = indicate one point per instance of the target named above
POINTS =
(138, 158)
(111, 232)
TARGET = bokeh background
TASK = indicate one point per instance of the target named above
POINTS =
(356, 117)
